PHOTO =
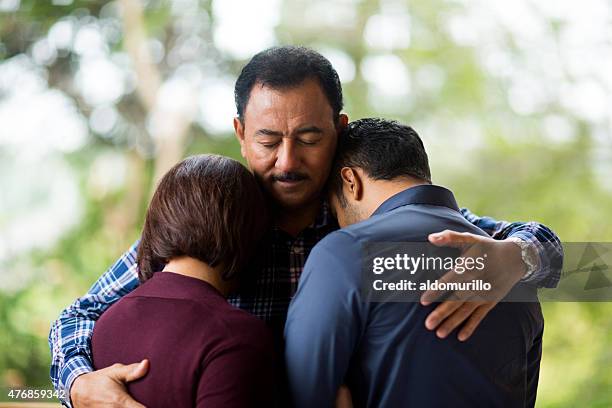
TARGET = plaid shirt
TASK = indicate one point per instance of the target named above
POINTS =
(279, 268)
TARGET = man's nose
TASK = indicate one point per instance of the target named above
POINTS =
(287, 158)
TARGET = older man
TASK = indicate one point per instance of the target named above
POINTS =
(289, 103)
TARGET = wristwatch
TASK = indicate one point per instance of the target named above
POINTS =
(529, 255)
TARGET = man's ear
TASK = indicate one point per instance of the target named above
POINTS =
(239, 131)
(342, 122)
(352, 183)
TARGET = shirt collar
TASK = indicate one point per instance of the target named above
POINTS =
(427, 194)
(173, 285)
(324, 219)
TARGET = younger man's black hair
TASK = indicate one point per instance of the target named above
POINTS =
(383, 149)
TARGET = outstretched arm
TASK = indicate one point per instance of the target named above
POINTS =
(70, 336)
(507, 266)
(540, 237)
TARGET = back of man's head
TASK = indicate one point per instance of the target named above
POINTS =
(383, 149)
(285, 67)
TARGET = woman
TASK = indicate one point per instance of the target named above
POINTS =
(202, 225)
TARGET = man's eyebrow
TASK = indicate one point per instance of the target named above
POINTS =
(300, 131)
(309, 129)
(268, 132)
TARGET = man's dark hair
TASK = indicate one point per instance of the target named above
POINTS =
(286, 67)
(383, 149)
(206, 207)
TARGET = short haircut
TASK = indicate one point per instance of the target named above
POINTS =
(286, 67)
(383, 149)
(206, 207)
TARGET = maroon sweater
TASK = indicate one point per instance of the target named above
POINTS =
(203, 352)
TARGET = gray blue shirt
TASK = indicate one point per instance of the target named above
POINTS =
(382, 350)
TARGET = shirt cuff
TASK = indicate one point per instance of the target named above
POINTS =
(73, 368)
(530, 255)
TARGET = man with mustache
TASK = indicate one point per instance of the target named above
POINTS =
(289, 114)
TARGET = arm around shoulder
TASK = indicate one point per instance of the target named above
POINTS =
(70, 335)
(545, 244)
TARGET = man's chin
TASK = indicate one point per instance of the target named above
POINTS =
(294, 200)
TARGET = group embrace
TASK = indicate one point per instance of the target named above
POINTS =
(245, 288)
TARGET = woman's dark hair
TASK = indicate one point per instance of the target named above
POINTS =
(285, 67)
(206, 207)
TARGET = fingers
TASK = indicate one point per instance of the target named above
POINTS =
(131, 372)
(474, 320)
(450, 315)
(455, 319)
(140, 370)
(343, 398)
(441, 312)
(453, 239)
(432, 295)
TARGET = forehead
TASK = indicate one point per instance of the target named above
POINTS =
(303, 103)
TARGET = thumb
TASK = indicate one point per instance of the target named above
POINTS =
(448, 238)
(130, 372)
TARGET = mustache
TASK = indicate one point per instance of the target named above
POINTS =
(289, 176)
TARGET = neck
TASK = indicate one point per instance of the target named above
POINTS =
(293, 221)
(380, 191)
(194, 268)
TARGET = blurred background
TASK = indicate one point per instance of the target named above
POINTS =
(99, 98)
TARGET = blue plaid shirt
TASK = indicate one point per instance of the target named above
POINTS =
(267, 297)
